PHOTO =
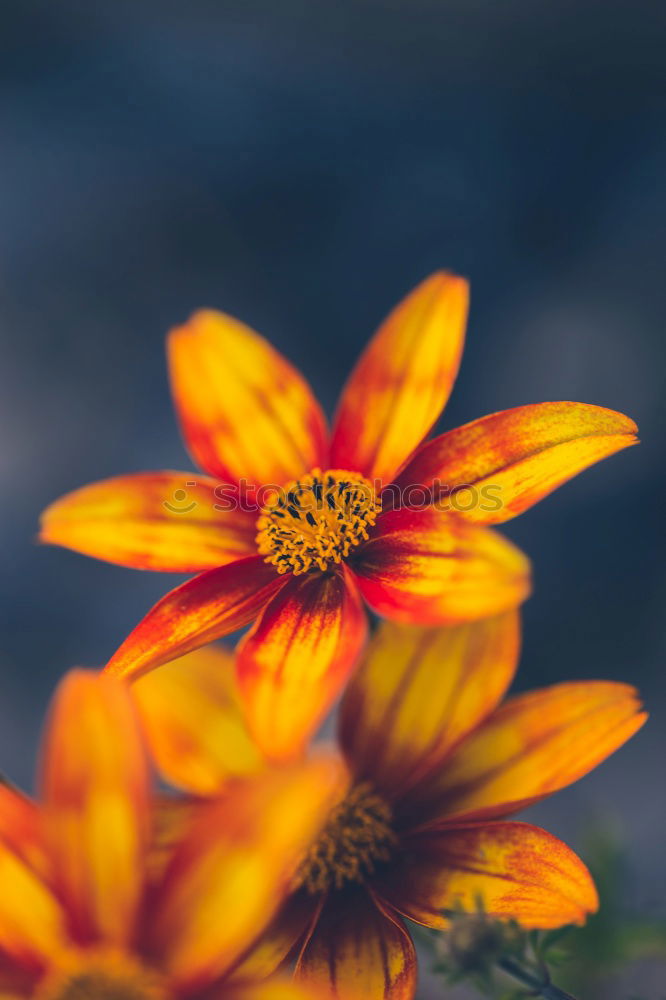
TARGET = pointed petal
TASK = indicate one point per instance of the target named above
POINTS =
(167, 521)
(203, 609)
(419, 691)
(245, 411)
(357, 951)
(32, 922)
(295, 661)
(194, 722)
(232, 870)
(516, 871)
(402, 380)
(95, 788)
(425, 567)
(511, 460)
(535, 744)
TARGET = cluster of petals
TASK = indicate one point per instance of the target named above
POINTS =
(248, 417)
(102, 897)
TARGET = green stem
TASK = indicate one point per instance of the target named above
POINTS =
(527, 978)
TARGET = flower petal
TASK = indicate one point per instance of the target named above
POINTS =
(297, 915)
(95, 788)
(172, 817)
(16, 982)
(32, 922)
(152, 520)
(194, 722)
(203, 609)
(296, 659)
(276, 988)
(513, 459)
(426, 567)
(357, 951)
(419, 691)
(533, 745)
(244, 410)
(402, 380)
(516, 871)
(21, 827)
(231, 872)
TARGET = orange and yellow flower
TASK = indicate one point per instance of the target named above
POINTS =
(89, 908)
(435, 765)
(314, 524)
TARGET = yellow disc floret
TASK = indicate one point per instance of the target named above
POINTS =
(316, 520)
(358, 837)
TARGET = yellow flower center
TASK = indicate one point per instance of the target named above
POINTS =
(317, 520)
(358, 836)
(103, 976)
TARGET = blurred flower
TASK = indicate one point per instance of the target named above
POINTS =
(486, 953)
(310, 524)
(85, 912)
(435, 766)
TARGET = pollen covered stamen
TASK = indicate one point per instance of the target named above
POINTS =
(358, 836)
(317, 520)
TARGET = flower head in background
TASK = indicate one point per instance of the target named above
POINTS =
(312, 524)
(84, 910)
(436, 764)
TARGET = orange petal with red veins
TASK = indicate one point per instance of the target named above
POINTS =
(420, 690)
(295, 661)
(203, 609)
(234, 868)
(513, 870)
(533, 745)
(402, 380)
(152, 520)
(425, 567)
(244, 410)
(511, 460)
(32, 922)
(192, 715)
(358, 951)
(95, 789)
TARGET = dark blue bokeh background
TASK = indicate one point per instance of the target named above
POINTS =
(302, 165)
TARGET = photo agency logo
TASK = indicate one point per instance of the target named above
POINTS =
(250, 498)
(182, 502)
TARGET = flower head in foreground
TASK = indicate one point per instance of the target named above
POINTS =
(435, 766)
(86, 913)
(313, 524)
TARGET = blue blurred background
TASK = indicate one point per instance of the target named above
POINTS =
(302, 165)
